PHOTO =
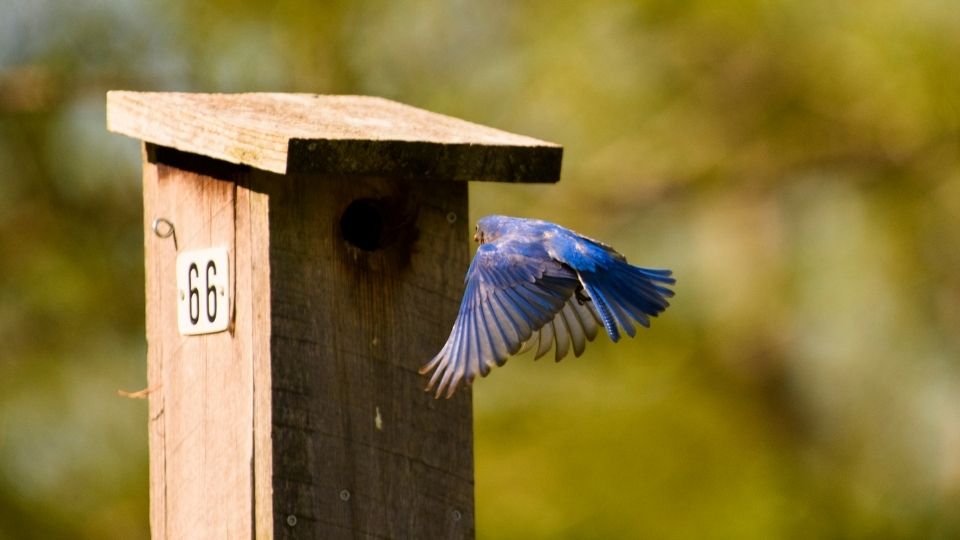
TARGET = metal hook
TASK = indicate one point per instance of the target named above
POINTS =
(167, 232)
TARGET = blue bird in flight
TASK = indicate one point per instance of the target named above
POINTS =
(535, 283)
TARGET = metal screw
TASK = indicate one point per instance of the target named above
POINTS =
(292, 520)
(312, 146)
(344, 495)
(457, 515)
(451, 217)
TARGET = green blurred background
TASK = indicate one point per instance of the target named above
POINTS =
(796, 163)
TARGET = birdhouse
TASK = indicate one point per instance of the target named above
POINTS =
(305, 256)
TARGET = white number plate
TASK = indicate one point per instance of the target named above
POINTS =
(203, 291)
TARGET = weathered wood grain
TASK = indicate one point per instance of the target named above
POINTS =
(311, 411)
(201, 406)
(253, 235)
(155, 300)
(332, 135)
(359, 450)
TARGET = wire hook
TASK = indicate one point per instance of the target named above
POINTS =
(167, 231)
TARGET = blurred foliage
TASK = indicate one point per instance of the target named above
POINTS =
(796, 163)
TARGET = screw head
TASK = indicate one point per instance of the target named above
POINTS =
(451, 217)
(344, 495)
(292, 520)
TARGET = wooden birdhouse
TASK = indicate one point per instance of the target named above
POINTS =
(305, 256)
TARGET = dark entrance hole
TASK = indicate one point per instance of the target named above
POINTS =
(362, 224)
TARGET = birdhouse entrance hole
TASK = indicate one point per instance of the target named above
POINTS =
(362, 224)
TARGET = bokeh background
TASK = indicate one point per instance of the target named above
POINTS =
(796, 163)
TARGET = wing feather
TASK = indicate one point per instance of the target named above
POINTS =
(544, 339)
(578, 323)
(513, 332)
(561, 335)
(511, 292)
(514, 308)
(577, 335)
(498, 333)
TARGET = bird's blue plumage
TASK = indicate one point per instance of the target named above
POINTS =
(535, 283)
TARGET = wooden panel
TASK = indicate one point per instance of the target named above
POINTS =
(156, 251)
(363, 135)
(359, 450)
(253, 245)
(201, 406)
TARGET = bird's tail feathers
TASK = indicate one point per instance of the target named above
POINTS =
(626, 293)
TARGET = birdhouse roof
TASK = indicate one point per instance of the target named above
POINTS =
(331, 134)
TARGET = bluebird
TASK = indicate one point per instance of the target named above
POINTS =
(533, 283)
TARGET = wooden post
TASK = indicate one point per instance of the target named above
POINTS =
(344, 220)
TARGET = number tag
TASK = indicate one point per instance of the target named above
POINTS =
(203, 291)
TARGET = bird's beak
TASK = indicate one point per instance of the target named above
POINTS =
(476, 237)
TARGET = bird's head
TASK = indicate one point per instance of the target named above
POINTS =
(490, 228)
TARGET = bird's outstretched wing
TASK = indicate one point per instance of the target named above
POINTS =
(574, 325)
(510, 294)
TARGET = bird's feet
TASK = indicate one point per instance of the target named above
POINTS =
(582, 298)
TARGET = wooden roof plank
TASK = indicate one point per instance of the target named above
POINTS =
(307, 133)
